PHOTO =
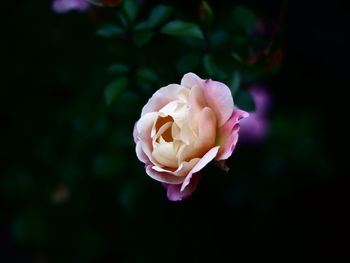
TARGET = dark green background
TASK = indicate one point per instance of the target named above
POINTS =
(58, 133)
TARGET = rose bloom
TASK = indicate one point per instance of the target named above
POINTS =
(255, 128)
(64, 6)
(184, 127)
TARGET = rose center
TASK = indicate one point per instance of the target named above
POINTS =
(166, 134)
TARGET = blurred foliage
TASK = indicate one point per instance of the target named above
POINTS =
(72, 187)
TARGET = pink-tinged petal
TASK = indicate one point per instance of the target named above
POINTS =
(174, 192)
(183, 169)
(163, 177)
(217, 95)
(165, 155)
(162, 97)
(144, 127)
(210, 155)
(196, 102)
(145, 124)
(206, 136)
(141, 154)
(219, 98)
(189, 80)
(228, 134)
(135, 133)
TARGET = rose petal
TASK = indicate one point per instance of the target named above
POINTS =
(141, 154)
(144, 127)
(205, 139)
(135, 133)
(228, 134)
(162, 97)
(164, 177)
(145, 124)
(190, 80)
(174, 192)
(196, 102)
(183, 169)
(219, 99)
(210, 155)
(165, 154)
(217, 95)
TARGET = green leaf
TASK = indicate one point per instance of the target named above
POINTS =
(209, 64)
(182, 29)
(245, 19)
(146, 79)
(141, 26)
(193, 43)
(114, 89)
(110, 31)
(142, 37)
(187, 63)
(234, 82)
(122, 19)
(158, 15)
(146, 75)
(218, 38)
(131, 9)
(244, 100)
(206, 13)
(118, 68)
(212, 68)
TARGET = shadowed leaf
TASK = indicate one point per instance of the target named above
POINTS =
(244, 100)
(131, 9)
(182, 29)
(158, 15)
(110, 31)
(245, 19)
(114, 89)
(234, 82)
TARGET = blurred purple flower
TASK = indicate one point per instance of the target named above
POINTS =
(255, 128)
(64, 6)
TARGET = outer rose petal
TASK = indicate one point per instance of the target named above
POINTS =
(228, 134)
(218, 96)
(174, 192)
(190, 80)
(210, 155)
(144, 126)
(164, 177)
(162, 97)
(205, 139)
(182, 171)
(135, 133)
(141, 154)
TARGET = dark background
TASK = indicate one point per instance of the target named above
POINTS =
(72, 189)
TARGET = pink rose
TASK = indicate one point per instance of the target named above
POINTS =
(184, 127)
(255, 128)
(64, 6)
